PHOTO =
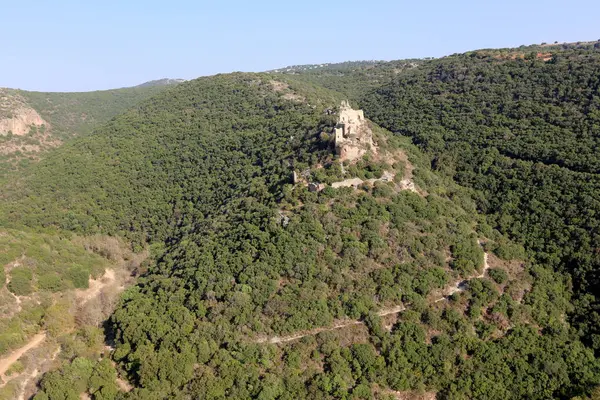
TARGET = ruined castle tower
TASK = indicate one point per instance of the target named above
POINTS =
(353, 137)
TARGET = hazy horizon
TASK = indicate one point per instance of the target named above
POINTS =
(69, 46)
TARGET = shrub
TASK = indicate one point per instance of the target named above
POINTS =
(498, 275)
(20, 281)
(79, 276)
(16, 368)
(51, 282)
(59, 319)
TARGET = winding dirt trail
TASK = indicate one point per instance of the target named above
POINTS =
(300, 335)
(17, 306)
(456, 287)
(9, 360)
(337, 325)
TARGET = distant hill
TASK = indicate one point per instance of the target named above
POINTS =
(352, 78)
(161, 82)
(31, 123)
(346, 65)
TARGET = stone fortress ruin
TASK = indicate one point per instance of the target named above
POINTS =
(353, 136)
(353, 139)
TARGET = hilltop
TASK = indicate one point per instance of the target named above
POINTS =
(161, 82)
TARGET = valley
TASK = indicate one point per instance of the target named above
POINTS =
(33, 123)
(364, 230)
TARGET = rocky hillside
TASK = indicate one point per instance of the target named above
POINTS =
(56, 290)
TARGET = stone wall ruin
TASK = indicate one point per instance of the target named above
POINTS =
(353, 136)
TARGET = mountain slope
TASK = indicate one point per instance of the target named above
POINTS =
(523, 132)
(31, 123)
(146, 165)
(259, 230)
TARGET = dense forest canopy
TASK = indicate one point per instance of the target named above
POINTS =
(462, 265)
(525, 134)
(189, 150)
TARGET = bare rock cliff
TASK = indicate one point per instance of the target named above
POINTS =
(16, 115)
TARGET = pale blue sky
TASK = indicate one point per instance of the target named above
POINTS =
(67, 45)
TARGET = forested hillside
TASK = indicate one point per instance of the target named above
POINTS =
(277, 275)
(46, 120)
(524, 133)
(151, 163)
(353, 79)
(356, 78)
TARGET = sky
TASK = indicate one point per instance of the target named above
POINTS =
(65, 45)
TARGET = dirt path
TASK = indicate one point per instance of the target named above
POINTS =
(300, 335)
(486, 266)
(96, 286)
(83, 295)
(460, 286)
(405, 184)
(7, 361)
(457, 287)
(347, 183)
(385, 177)
(337, 325)
(392, 310)
(124, 385)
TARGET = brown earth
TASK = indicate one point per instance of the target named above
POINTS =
(112, 282)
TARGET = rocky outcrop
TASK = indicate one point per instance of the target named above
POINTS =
(21, 122)
(353, 136)
(315, 186)
(16, 116)
(356, 182)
